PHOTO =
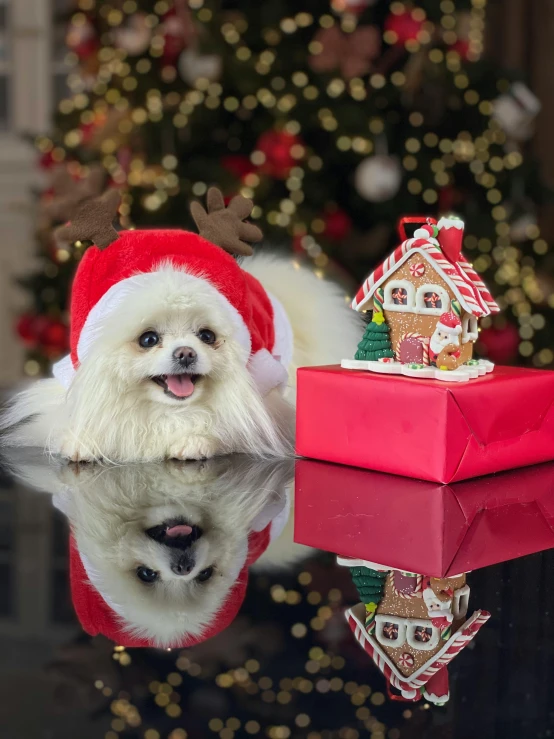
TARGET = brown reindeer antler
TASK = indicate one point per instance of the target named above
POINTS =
(93, 221)
(68, 193)
(226, 227)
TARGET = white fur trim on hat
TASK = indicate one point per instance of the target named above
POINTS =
(97, 583)
(117, 293)
(284, 338)
(64, 371)
(267, 372)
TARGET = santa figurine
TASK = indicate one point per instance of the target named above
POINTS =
(444, 345)
(439, 607)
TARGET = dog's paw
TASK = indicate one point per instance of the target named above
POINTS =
(196, 447)
(72, 449)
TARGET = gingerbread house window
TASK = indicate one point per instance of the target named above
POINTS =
(432, 300)
(470, 330)
(390, 631)
(460, 602)
(399, 296)
(422, 635)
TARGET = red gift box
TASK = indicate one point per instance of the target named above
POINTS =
(423, 527)
(426, 429)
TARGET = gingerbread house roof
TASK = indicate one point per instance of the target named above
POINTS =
(454, 645)
(467, 286)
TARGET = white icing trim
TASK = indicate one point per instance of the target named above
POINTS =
(396, 267)
(469, 333)
(437, 700)
(410, 291)
(420, 306)
(461, 374)
(460, 602)
(354, 562)
(450, 222)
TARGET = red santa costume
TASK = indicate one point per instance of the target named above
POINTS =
(447, 331)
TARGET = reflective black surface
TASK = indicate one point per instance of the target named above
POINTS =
(287, 666)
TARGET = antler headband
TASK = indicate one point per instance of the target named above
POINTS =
(227, 227)
(223, 226)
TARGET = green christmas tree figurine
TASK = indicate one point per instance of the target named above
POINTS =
(375, 343)
(370, 585)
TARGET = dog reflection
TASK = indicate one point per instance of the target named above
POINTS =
(160, 552)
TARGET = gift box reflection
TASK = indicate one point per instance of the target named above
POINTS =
(425, 527)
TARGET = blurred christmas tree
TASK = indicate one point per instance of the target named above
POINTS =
(336, 118)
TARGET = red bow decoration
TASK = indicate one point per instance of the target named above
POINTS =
(352, 53)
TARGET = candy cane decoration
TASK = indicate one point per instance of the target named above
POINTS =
(378, 300)
(456, 308)
(446, 633)
(414, 335)
(370, 623)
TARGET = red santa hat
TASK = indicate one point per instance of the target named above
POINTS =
(99, 614)
(131, 261)
(450, 323)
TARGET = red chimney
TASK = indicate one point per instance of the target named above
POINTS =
(451, 236)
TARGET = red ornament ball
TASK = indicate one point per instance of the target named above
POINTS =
(338, 224)
(462, 48)
(237, 165)
(278, 147)
(175, 37)
(26, 329)
(54, 339)
(48, 335)
(82, 39)
(501, 344)
(406, 26)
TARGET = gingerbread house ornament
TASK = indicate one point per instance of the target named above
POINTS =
(412, 626)
(426, 300)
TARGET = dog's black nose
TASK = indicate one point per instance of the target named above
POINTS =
(185, 356)
(183, 563)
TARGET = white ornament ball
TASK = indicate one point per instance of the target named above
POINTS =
(378, 178)
(193, 66)
(135, 37)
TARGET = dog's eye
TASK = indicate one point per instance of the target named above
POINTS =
(149, 339)
(144, 574)
(205, 575)
(207, 336)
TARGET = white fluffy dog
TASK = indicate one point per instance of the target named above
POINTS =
(166, 379)
(164, 544)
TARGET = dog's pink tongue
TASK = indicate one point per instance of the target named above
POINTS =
(181, 530)
(180, 385)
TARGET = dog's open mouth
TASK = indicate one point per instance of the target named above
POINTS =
(177, 386)
(175, 533)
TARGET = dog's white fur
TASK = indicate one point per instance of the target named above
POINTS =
(110, 508)
(114, 412)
